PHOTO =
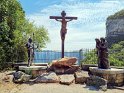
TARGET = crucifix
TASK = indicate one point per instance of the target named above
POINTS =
(63, 19)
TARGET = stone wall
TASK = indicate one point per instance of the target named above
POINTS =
(114, 77)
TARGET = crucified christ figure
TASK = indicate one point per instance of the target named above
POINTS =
(63, 27)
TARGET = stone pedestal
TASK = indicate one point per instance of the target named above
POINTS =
(33, 70)
(114, 77)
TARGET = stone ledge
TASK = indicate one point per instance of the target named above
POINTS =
(40, 64)
(32, 68)
(106, 71)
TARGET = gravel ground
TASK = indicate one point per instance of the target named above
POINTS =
(52, 88)
(10, 87)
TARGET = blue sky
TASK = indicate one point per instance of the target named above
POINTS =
(81, 33)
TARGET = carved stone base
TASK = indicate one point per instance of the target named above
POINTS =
(114, 77)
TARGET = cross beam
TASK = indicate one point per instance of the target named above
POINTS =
(58, 17)
(63, 19)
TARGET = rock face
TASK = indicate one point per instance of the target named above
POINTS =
(66, 79)
(50, 77)
(20, 77)
(97, 82)
(114, 30)
(81, 76)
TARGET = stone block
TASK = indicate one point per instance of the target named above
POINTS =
(81, 76)
(66, 79)
(120, 76)
(119, 80)
(105, 76)
(50, 77)
(112, 76)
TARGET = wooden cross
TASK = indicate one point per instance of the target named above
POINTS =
(63, 19)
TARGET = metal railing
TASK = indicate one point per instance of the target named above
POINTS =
(47, 56)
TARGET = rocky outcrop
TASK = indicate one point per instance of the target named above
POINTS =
(115, 28)
(50, 77)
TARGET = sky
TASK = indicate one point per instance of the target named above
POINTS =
(81, 33)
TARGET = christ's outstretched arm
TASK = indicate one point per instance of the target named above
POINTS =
(58, 20)
(69, 20)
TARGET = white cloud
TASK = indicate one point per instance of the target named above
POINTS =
(82, 32)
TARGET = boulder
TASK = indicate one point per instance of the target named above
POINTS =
(66, 79)
(72, 69)
(81, 76)
(50, 77)
(97, 82)
(20, 77)
(67, 62)
(64, 66)
(66, 70)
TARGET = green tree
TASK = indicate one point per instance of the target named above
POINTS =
(15, 30)
(11, 14)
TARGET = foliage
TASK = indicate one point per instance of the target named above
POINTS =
(40, 37)
(15, 30)
(8, 24)
(116, 55)
(119, 14)
(90, 57)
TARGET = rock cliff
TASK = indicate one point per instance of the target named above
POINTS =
(115, 28)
